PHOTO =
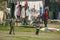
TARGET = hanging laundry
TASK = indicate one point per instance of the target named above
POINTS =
(18, 8)
(12, 10)
(27, 11)
(41, 10)
(15, 13)
(29, 18)
(23, 12)
(26, 5)
(18, 12)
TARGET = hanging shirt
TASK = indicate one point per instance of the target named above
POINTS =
(29, 18)
(26, 5)
(30, 14)
(32, 11)
(23, 13)
(15, 13)
(18, 12)
(27, 12)
(41, 10)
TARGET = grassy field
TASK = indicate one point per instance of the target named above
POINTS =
(27, 33)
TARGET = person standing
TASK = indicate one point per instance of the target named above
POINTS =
(12, 23)
(45, 18)
(37, 24)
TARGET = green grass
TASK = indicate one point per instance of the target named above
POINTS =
(25, 29)
(17, 29)
(4, 28)
(22, 29)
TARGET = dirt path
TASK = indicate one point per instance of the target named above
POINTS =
(4, 35)
(32, 34)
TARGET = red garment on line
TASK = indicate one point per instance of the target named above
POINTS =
(26, 4)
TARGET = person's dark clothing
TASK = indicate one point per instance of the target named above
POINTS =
(37, 31)
(45, 23)
(11, 27)
(45, 18)
(37, 25)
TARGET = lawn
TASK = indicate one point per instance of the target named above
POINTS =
(27, 33)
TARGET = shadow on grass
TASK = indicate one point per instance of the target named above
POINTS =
(30, 26)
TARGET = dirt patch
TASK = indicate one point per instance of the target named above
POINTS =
(31, 34)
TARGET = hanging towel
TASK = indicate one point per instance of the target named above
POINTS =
(15, 13)
(23, 13)
(27, 12)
